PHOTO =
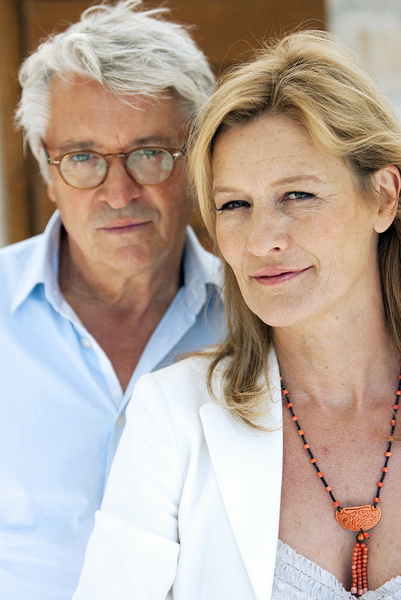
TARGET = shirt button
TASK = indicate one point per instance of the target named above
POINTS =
(85, 342)
(121, 421)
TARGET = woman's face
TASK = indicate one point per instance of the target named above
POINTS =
(301, 241)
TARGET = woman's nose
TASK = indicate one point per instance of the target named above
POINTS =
(267, 232)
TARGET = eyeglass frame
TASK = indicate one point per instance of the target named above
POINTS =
(55, 162)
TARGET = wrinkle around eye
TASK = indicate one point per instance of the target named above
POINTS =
(299, 196)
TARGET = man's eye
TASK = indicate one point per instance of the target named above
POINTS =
(150, 152)
(298, 196)
(80, 157)
(233, 204)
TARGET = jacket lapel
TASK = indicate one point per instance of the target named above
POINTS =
(248, 467)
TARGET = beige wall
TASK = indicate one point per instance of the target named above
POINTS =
(372, 29)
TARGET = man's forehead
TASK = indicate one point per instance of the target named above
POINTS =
(83, 113)
(72, 83)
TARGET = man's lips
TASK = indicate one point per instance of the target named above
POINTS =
(277, 275)
(123, 225)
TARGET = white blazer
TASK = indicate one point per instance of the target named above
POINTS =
(191, 509)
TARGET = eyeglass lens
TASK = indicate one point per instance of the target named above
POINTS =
(145, 166)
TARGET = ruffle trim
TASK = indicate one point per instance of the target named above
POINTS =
(297, 578)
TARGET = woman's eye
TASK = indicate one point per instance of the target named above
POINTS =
(233, 204)
(298, 196)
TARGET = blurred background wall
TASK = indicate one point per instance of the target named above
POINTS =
(373, 29)
(226, 30)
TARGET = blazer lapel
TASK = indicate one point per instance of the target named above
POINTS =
(248, 467)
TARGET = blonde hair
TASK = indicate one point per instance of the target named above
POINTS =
(311, 78)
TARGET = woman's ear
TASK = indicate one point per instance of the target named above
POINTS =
(387, 183)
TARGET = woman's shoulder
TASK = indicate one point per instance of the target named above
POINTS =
(184, 384)
(171, 399)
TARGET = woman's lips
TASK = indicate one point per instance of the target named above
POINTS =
(275, 276)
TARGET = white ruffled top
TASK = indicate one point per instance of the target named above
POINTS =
(297, 578)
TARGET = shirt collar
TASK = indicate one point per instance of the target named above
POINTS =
(202, 272)
(201, 269)
(42, 266)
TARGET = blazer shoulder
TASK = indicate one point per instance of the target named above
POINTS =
(181, 387)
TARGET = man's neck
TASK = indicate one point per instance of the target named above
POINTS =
(120, 310)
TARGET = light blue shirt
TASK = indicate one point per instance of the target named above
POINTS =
(62, 409)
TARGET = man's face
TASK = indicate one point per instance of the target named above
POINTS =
(119, 225)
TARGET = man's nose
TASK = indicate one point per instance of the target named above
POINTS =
(118, 189)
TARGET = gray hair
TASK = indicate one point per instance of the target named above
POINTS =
(126, 50)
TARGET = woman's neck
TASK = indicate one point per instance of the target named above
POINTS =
(342, 361)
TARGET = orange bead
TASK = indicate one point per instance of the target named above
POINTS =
(387, 454)
(376, 500)
(301, 432)
(328, 489)
(294, 418)
(306, 446)
(320, 475)
(289, 405)
(312, 461)
(384, 469)
(393, 422)
(336, 504)
(380, 484)
(396, 406)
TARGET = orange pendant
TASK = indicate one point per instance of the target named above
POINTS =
(357, 518)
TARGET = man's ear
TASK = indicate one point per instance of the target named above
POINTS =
(387, 183)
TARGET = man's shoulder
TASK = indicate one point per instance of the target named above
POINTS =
(15, 262)
(13, 258)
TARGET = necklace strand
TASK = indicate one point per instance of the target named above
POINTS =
(352, 517)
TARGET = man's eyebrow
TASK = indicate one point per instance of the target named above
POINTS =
(71, 146)
(154, 140)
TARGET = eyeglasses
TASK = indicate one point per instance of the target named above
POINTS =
(87, 169)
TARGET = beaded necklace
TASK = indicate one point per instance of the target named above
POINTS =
(354, 518)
